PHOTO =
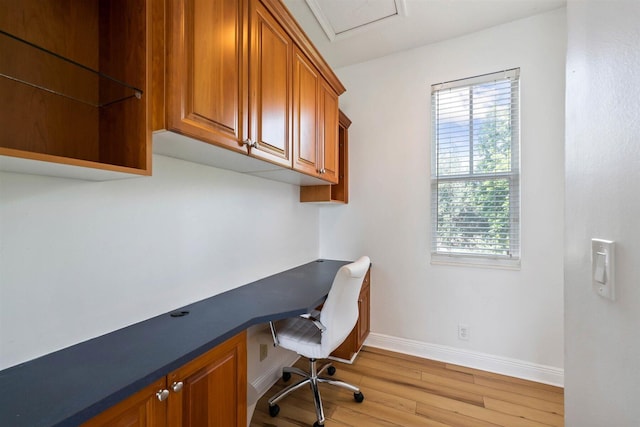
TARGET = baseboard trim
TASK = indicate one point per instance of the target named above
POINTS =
(471, 359)
(265, 381)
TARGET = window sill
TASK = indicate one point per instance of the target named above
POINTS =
(471, 261)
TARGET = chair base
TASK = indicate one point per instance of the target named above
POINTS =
(312, 378)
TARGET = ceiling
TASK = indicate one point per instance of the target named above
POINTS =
(351, 31)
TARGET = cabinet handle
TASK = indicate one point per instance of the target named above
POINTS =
(323, 171)
(249, 143)
(162, 395)
(177, 386)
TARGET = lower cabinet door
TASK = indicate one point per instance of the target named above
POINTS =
(364, 307)
(355, 340)
(211, 390)
(143, 409)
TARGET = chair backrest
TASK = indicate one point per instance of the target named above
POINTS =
(340, 310)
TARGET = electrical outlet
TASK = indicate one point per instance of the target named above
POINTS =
(463, 332)
(264, 351)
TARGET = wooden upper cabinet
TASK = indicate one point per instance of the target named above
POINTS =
(270, 83)
(211, 390)
(328, 125)
(207, 69)
(143, 409)
(241, 74)
(315, 121)
(306, 79)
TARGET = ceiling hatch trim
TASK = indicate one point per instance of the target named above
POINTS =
(341, 19)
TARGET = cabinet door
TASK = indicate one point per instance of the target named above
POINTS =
(211, 391)
(329, 133)
(143, 409)
(207, 70)
(306, 151)
(354, 341)
(364, 307)
(270, 82)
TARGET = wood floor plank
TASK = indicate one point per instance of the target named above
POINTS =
(500, 377)
(524, 412)
(390, 400)
(473, 411)
(402, 356)
(395, 369)
(382, 414)
(507, 396)
(451, 418)
(357, 419)
(520, 389)
(436, 369)
(407, 386)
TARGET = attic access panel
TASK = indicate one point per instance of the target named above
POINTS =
(342, 18)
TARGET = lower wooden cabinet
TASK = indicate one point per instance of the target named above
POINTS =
(209, 391)
(352, 345)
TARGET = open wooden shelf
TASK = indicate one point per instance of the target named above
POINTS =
(74, 81)
(26, 61)
(336, 193)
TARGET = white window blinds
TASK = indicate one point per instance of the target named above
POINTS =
(475, 167)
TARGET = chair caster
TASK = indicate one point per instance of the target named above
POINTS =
(331, 370)
(358, 397)
(274, 410)
(286, 376)
(316, 424)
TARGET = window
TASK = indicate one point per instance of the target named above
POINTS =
(475, 178)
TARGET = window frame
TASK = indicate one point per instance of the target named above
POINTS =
(512, 261)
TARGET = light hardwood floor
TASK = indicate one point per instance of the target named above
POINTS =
(407, 391)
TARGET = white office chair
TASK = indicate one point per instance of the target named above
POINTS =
(317, 334)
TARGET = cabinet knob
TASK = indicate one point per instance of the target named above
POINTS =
(249, 143)
(177, 386)
(323, 171)
(162, 395)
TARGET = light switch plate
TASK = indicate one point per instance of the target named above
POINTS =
(603, 268)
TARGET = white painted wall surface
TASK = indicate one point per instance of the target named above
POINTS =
(602, 201)
(515, 315)
(79, 259)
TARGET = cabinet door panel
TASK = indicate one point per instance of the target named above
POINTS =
(305, 115)
(215, 73)
(271, 51)
(214, 388)
(364, 306)
(355, 340)
(206, 70)
(143, 409)
(329, 129)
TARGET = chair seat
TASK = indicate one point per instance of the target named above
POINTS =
(302, 336)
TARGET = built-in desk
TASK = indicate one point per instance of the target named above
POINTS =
(72, 385)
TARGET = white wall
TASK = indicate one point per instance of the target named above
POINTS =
(514, 315)
(602, 201)
(79, 259)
